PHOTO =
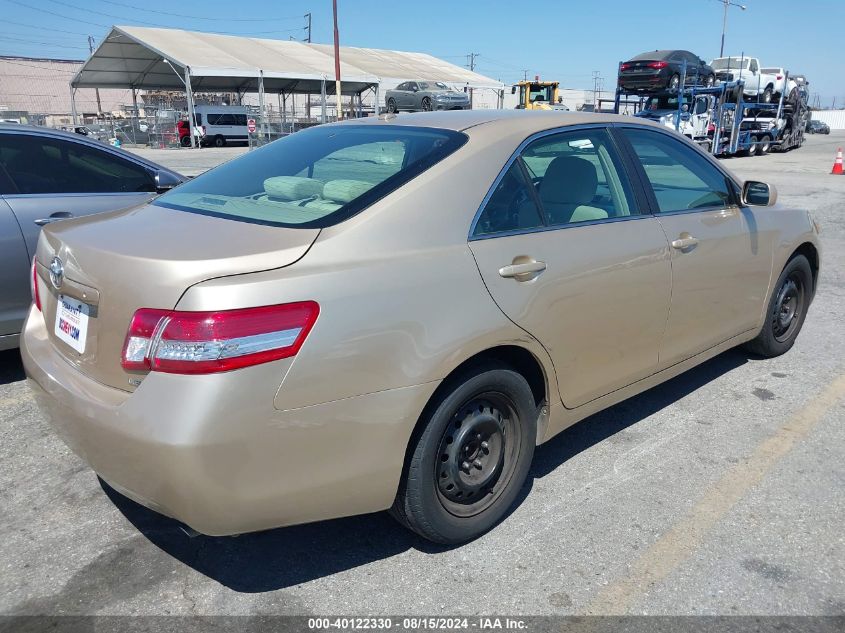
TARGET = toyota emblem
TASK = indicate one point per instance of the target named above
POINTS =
(57, 273)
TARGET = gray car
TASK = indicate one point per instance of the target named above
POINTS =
(48, 175)
(416, 96)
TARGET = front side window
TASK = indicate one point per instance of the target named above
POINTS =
(317, 177)
(40, 165)
(681, 179)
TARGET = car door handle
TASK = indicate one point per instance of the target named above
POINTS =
(684, 242)
(522, 272)
(58, 215)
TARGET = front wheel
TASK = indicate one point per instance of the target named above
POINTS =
(467, 465)
(391, 106)
(426, 104)
(709, 81)
(787, 309)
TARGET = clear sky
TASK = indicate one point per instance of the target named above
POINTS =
(565, 40)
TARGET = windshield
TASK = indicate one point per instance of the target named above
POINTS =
(317, 177)
(437, 85)
(726, 63)
(541, 93)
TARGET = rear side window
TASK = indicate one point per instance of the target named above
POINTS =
(680, 178)
(317, 177)
(38, 164)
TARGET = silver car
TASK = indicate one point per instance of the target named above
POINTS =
(48, 175)
(416, 96)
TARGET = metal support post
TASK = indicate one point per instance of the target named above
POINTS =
(189, 94)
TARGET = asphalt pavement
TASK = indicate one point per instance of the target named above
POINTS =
(719, 492)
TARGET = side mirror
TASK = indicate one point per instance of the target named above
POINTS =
(165, 181)
(513, 90)
(759, 194)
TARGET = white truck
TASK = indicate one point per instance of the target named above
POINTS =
(759, 84)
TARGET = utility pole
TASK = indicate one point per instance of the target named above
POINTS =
(308, 27)
(337, 62)
(471, 65)
(596, 80)
(727, 4)
(96, 90)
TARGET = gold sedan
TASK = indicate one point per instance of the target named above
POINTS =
(393, 312)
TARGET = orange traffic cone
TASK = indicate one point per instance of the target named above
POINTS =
(837, 164)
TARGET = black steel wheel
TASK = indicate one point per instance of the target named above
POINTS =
(470, 457)
(787, 309)
(426, 104)
(391, 105)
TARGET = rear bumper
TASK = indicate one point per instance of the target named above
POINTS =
(644, 81)
(189, 447)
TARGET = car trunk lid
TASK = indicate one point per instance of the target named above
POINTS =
(147, 257)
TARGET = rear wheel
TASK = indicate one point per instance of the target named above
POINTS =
(766, 97)
(185, 141)
(426, 104)
(752, 148)
(467, 465)
(765, 145)
(709, 81)
(219, 141)
(674, 82)
(786, 311)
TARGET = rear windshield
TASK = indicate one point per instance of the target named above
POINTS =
(726, 63)
(653, 55)
(317, 177)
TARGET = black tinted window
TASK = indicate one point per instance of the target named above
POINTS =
(317, 177)
(682, 180)
(45, 165)
(511, 206)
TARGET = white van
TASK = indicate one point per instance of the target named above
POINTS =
(222, 124)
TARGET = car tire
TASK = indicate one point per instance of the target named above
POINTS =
(185, 141)
(470, 457)
(425, 104)
(674, 83)
(767, 95)
(786, 310)
(765, 145)
(391, 106)
(709, 81)
(752, 148)
(219, 141)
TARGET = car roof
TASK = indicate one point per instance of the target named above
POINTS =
(658, 54)
(504, 120)
(82, 140)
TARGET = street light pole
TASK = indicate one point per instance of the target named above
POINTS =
(727, 3)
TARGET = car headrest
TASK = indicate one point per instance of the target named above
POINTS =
(292, 187)
(344, 191)
(569, 180)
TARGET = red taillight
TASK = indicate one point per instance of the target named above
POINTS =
(625, 67)
(36, 296)
(657, 65)
(207, 342)
(779, 77)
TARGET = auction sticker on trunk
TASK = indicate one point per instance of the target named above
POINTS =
(72, 322)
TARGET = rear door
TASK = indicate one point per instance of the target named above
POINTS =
(721, 262)
(56, 178)
(569, 255)
(14, 271)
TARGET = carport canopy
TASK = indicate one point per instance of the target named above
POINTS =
(160, 59)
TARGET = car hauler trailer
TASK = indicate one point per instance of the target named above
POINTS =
(721, 121)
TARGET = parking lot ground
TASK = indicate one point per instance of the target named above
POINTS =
(719, 492)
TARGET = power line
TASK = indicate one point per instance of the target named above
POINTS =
(42, 28)
(197, 17)
(108, 26)
(18, 39)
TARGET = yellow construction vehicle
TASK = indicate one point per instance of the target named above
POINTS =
(538, 95)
